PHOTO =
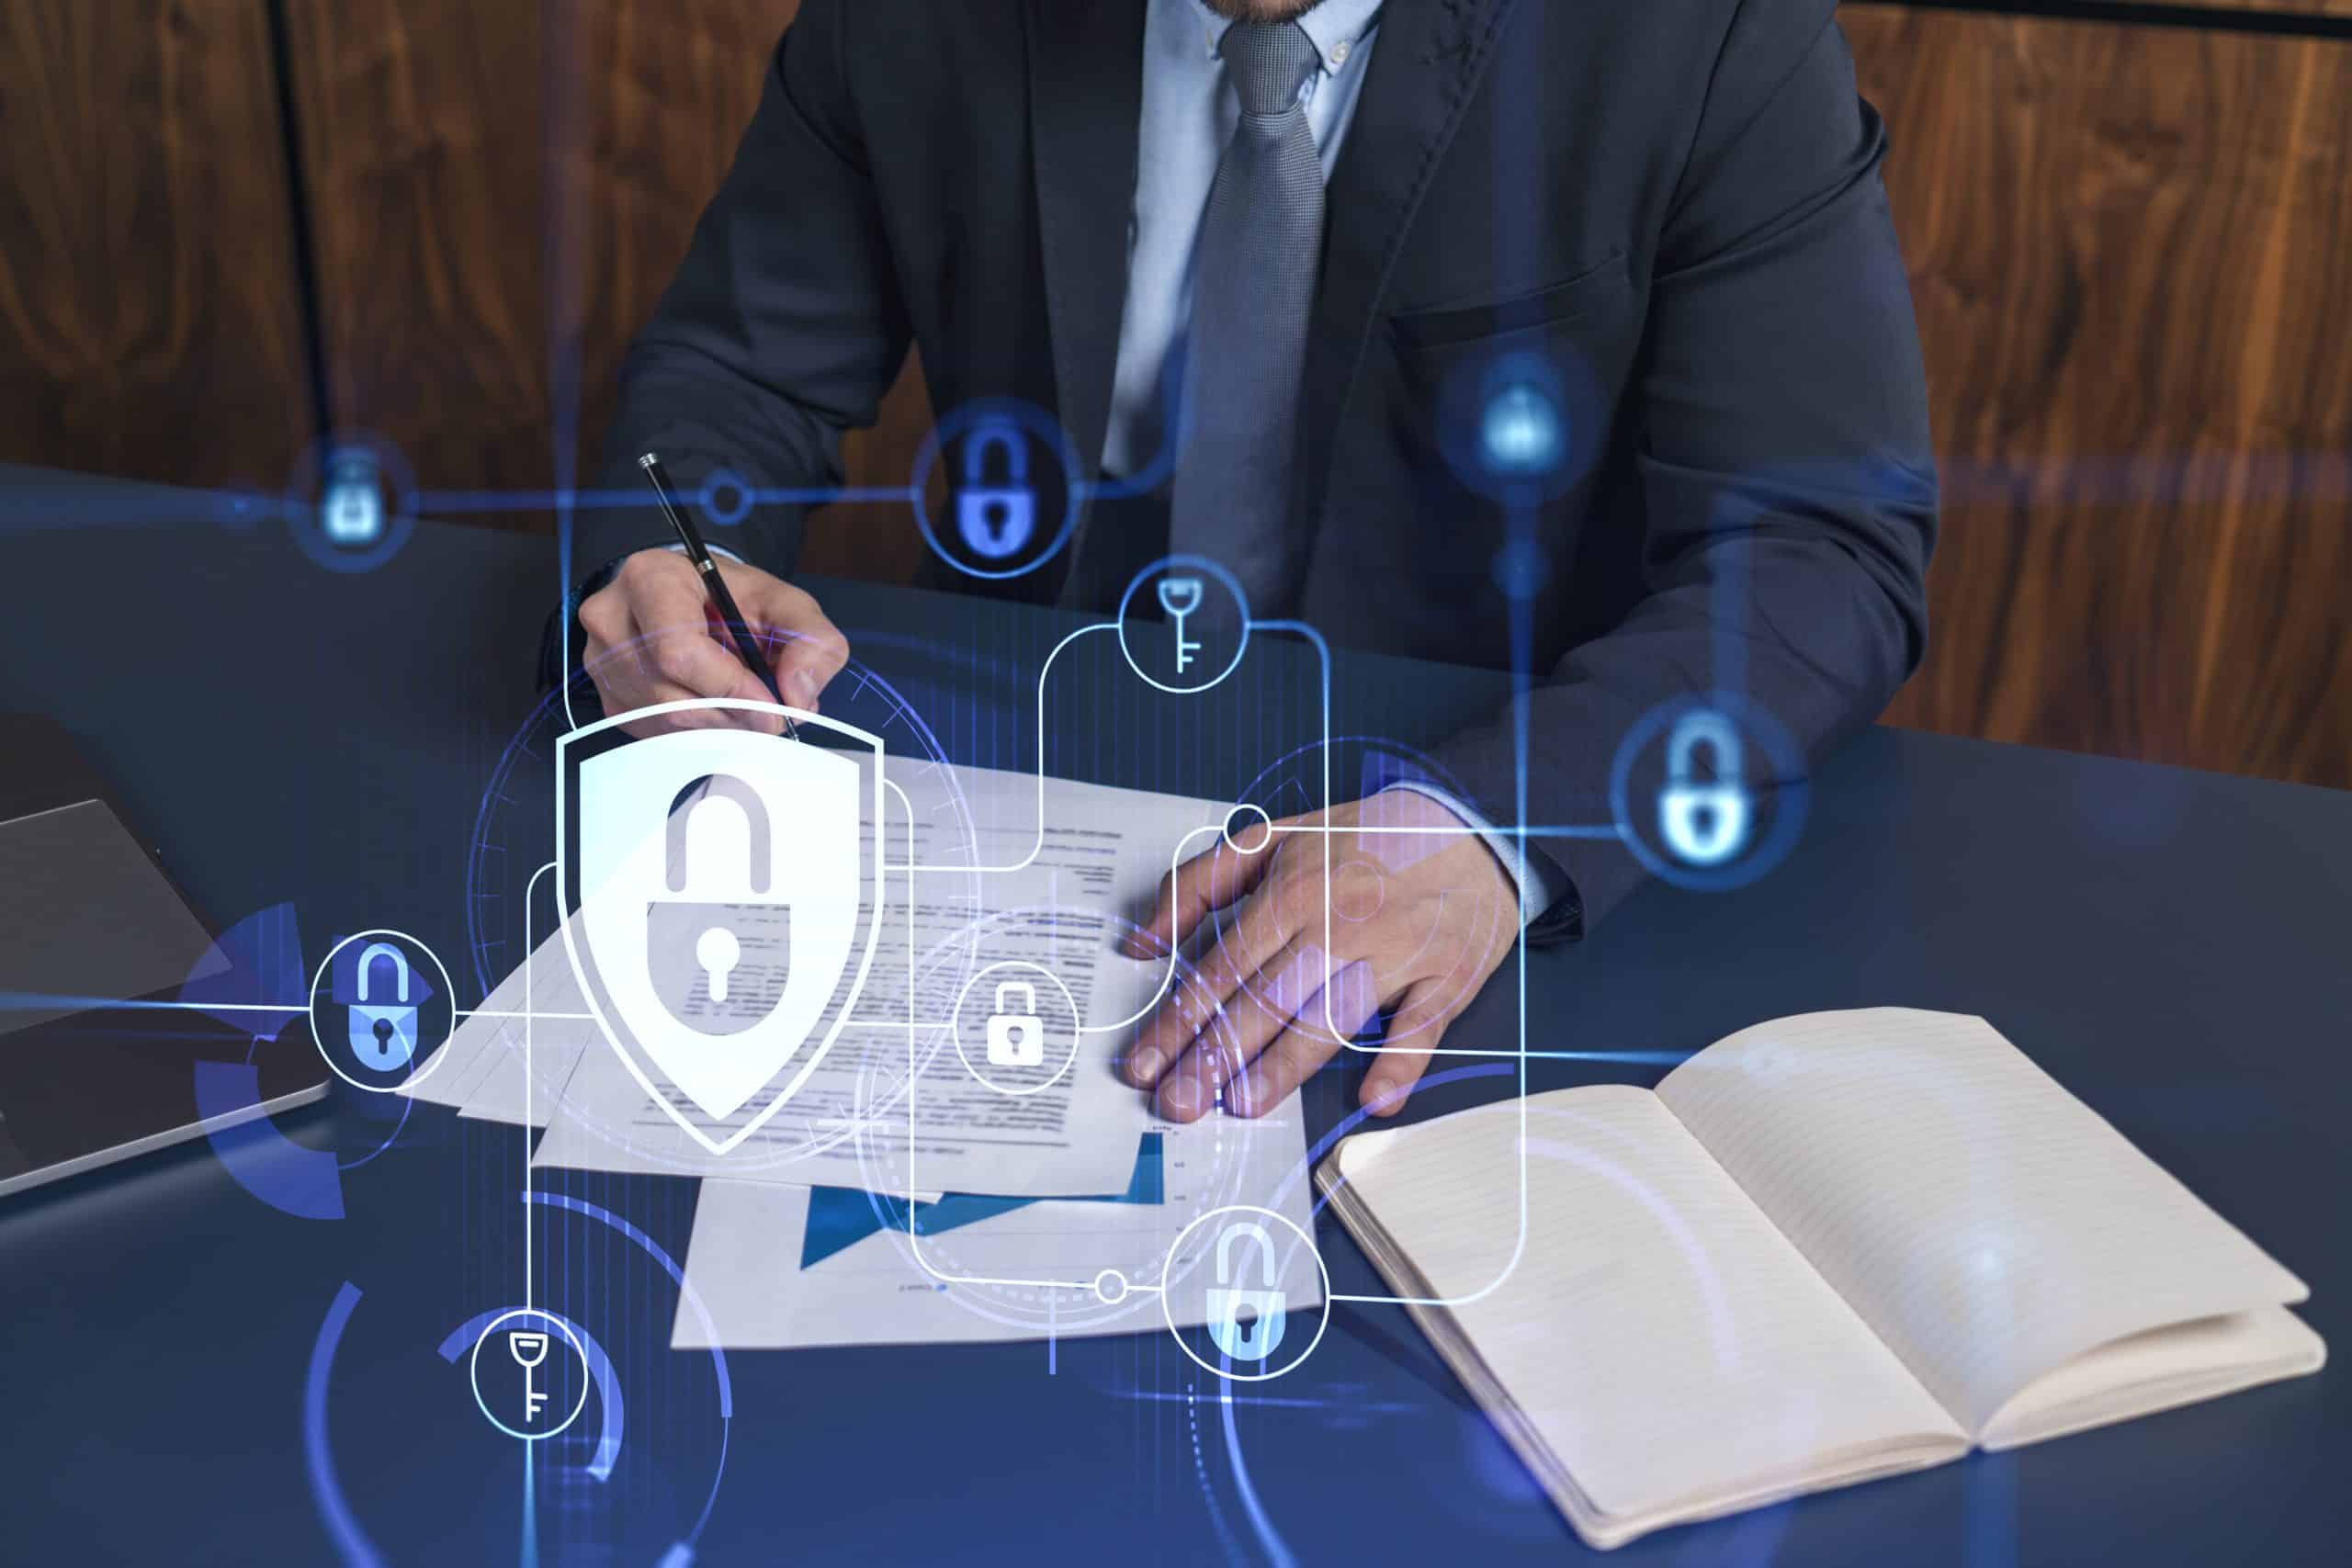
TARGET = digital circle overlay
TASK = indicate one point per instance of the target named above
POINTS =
(1059, 1059)
(429, 1051)
(1040, 429)
(1636, 815)
(561, 1331)
(725, 497)
(1213, 576)
(357, 459)
(1264, 823)
(1208, 1261)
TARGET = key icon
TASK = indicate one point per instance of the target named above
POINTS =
(1180, 596)
(529, 1347)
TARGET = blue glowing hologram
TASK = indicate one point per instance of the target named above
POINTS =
(317, 1458)
(1523, 426)
(351, 509)
(682, 1552)
(468, 1337)
(252, 976)
(1709, 831)
(404, 1049)
(383, 1027)
(996, 508)
(1521, 567)
(1214, 1240)
(1000, 510)
(1180, 596)
(534, 1324)
(1160, 653)
(1521, 430)
(305, 1183)
(724, 497)
(1704, 822)
(351, 502)
(659, 1003)
(1246, 1321)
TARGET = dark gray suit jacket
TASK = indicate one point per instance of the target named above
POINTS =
(1676, 203)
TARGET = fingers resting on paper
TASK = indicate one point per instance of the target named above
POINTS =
(1306, 930)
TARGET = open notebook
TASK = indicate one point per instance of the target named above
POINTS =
(1827, 1248)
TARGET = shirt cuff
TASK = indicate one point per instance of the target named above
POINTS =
(1539, 889)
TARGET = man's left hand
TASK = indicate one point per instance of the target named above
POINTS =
(1420, 912)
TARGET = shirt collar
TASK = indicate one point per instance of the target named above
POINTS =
(1336, 29)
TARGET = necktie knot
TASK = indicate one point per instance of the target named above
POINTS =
(1269, 63)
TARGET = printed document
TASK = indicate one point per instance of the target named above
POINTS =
(855, 1122)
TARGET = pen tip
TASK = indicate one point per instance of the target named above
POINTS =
(648, 461)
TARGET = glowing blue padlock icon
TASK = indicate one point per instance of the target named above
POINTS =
(1247, 1323)
(384, 1035)
(1521, 432)
(1704, 823)
(351, 513)
(996, 518)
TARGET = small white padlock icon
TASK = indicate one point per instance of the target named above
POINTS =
(1704, 823)
(1016, 1035)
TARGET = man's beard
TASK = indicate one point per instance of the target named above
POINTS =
(1263, 10)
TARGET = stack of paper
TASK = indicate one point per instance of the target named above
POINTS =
(1001, 1211)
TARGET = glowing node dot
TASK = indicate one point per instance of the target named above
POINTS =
(1521, 432)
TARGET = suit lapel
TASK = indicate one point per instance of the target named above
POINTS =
(1426, 67)
(1085, 109)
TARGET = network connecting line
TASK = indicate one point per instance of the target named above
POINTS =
(1111, 1285)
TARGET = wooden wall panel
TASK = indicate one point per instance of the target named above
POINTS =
(499, 200)
(2279, 7)
(149, 324)
(2128, 249)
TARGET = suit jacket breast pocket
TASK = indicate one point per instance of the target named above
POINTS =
(1594, 295)
(1575, 340)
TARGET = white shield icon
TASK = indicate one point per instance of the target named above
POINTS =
(724, 894)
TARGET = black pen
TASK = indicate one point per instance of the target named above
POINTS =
(746, 646)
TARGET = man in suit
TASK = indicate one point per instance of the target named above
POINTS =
(1277, 238)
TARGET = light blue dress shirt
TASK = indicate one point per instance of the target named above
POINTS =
(1189, 114)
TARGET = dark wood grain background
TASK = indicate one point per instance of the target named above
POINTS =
(2130, 247)
(150, 321)
(2131, 251)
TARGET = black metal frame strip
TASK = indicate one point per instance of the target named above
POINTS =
(298, 213)
(2143, 14)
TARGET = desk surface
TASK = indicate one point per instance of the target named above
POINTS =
(2170, 945)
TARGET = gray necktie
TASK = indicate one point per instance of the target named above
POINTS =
(1261, 242)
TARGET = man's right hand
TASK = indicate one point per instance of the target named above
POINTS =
(653, 637)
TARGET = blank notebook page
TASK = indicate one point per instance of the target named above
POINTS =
(1656, 1333)
(1988, 1224)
